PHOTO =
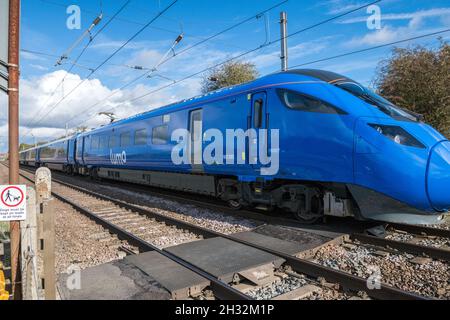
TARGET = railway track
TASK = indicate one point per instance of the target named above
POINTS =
(426, 236)
(105, 208)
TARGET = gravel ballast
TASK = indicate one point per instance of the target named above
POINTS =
(430, 278)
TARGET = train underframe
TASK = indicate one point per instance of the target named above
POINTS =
(307, 201)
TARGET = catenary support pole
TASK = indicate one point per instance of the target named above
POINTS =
(284, 45)
(13, 123)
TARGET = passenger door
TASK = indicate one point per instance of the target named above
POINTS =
(196, 142)
(259, 120)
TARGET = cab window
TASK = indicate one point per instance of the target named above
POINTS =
(302, 102)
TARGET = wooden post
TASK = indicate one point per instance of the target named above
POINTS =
(46, 231)
(29, 250)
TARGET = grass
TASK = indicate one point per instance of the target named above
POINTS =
(4, 227)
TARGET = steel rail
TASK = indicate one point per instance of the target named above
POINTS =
(345, 279)
(221, 289)
(420, 230)
(416, 249)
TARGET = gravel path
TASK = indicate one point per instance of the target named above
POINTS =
(430, 278)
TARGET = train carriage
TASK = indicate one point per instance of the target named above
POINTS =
(340, 150)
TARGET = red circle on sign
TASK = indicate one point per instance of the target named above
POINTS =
(15, 205)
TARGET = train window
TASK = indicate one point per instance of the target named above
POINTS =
(166, 118)
(258, 113)
(112, 141)
(61, 152)
(47, 152)
(125, 139)
(160, 135)
(80, 147)
(140, 137)
(103, 142)
(303, 102)
(95, 143)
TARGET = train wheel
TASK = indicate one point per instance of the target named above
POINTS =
(308, 218)
(313, 215)
(235, 205)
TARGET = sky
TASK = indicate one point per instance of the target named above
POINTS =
(49, 104)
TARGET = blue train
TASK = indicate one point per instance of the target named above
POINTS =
(341, 150)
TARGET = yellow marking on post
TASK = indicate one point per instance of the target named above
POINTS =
(243, 156)
(4, 295)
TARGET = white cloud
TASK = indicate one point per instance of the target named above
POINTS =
(418, 15)
(388, 33)
(384, 35)
(36, 101)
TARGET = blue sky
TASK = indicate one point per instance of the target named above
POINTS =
(44, 30)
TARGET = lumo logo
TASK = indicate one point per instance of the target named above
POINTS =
(118, 159)
(374, 21)
(74, 20)
(242, 147)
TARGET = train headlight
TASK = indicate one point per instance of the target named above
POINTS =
(398, 135)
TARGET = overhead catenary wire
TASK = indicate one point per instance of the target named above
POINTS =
(70, 61)
(372, 48)
(75, 62)
(108, 59)
(239, 56)
(165, 59)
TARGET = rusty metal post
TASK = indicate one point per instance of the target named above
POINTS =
(13, 92)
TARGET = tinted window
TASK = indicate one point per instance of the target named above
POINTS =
(94, 143)
(258, 113)
(378, 101)
(302, 102)
(140, 137)
(61, 150)
(196, 125)
(79, 146)
(112, 141)
(125, 139)
(160, 135)
(103, 142)
(47, 152)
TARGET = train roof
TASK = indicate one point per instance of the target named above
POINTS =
(271, 79)
(47, 144)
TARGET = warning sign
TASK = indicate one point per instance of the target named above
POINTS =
(13, 203)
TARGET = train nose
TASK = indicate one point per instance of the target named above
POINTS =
(438, 183)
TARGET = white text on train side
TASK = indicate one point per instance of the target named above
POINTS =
(251, 147)
(118, 159)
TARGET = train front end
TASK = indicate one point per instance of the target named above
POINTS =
(401, 164)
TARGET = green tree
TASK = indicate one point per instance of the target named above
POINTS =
(418, 79)
(229, 74)
(25, 146)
